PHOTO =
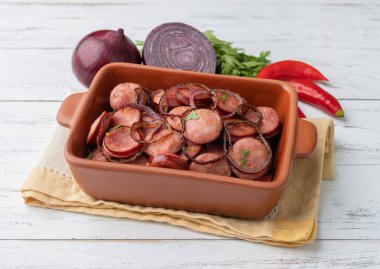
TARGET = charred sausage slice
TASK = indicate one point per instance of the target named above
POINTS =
(217, 168)
(251, 154)
(240, 129)
(168, 144)
(270, 122)
(94, 129)
(192, 149)
(185, 90)
(118, 143)
(123, 94)
(172, 98)
(126, 116)
(226, 102)
(253, 176)
(202, 125)
(174, 119)
(142, 96)
(171, 161)
(169, 99)
(269, 125)
(155, 98)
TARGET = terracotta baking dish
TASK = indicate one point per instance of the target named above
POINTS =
(177, 189)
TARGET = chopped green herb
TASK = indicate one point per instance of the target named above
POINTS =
(89, 156)
(244, 154)
(234, 61)
(224, 98)
(139, 43)
(116, 127)
(191, 116)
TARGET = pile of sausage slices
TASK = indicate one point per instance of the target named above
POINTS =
(188, 127)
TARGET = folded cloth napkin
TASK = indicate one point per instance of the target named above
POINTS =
(291, 223)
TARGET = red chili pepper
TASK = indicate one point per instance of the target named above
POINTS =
(311, 93)
(290, 70)
(301, 114)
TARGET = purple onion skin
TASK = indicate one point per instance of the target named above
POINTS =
(100, 48)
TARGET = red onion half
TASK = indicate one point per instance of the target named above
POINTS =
(100, 48)
(179, 46)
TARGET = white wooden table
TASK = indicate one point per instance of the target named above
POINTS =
(341, 38)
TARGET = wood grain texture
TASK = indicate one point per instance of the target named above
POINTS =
(346, 211)
(339, 37)
(334, 37)
(187, 254)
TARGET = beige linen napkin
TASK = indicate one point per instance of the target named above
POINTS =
(292, 223)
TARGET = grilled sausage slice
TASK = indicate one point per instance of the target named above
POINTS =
(168, 144)
(118, 143)
(270, 122)
(202, 126)
(123, 94)
(217, 168)
(174, 120)
(126, 117)
(249, 153)
(171, 161)
(94, 129)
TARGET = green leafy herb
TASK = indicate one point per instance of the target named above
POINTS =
(224, 98)
(244, 154)
(139, 43)
(116, 127)
(89, 156)
(234, 61)
(191, 116)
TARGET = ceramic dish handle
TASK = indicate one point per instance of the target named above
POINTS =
(67, 110)
(306, 139)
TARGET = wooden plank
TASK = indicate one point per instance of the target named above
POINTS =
(187, 254)
(356, 135)
(338, 42)
(23, 222)
(343, 214)
(347, 210)
(123, 3)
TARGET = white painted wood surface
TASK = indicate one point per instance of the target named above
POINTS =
(339, 37)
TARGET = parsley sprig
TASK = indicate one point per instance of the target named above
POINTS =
(191, 116)
(234, 61)
(244, 154)
(139, 43)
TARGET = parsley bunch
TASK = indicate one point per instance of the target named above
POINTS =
(234, 61)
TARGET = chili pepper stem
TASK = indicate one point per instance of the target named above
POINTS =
(339, 113)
